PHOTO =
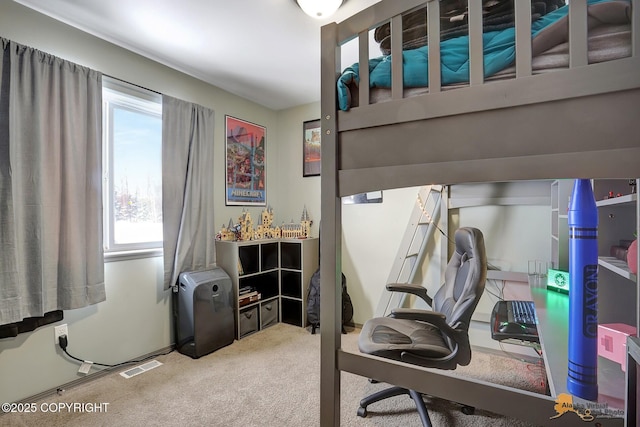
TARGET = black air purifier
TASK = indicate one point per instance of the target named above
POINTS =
(204, 312)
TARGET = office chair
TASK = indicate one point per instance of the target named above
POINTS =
(433, 339)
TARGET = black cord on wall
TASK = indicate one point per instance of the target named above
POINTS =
(63, 341)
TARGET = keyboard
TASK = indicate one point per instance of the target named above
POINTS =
(514, 319)
(523, 312)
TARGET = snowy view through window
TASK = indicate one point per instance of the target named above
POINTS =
(137, 177)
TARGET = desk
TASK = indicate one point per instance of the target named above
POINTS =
(552, 309)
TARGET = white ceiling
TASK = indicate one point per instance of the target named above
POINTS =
(267, 51)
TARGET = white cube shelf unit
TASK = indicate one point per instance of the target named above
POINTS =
(279, 270)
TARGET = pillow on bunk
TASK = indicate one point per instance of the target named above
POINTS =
(499, 51)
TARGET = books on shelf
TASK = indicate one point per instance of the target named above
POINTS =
(248, 298)
(245, 290)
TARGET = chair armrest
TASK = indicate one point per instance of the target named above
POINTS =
(408, 288)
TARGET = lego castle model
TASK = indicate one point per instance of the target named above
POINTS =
(245, 230)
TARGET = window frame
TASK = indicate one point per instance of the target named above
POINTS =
(120, 95)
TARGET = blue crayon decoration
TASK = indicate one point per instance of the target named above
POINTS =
(582, 378)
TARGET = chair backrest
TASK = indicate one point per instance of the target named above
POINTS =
(464, 278)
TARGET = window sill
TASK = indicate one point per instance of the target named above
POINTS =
(129, 255)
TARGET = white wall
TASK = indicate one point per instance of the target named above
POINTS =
(294, 191)
(135, 320)
(371, 236)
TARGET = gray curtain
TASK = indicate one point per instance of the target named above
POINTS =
(187, 188)
(50, 184)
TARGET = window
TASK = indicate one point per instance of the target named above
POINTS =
(132, 153)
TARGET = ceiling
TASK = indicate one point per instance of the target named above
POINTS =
(267, 51)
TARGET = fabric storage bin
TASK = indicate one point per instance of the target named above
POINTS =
(269, 313)
(248, 321)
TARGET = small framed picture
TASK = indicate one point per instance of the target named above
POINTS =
(311, 160)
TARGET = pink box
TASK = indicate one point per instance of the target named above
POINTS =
(612, 341)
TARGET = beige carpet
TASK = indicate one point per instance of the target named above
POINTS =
(270, 378)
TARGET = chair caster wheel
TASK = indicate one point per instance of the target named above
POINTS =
(373, 381)
(362, 412)
(468, 410)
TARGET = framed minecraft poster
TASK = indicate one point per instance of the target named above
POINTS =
(245, 182)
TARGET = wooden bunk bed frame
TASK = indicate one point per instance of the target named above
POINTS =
(580, 122)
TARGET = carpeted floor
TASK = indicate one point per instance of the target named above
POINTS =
(270, 378)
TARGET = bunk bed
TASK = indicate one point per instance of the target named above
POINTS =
(579, 121)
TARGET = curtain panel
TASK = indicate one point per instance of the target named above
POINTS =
(187, 188)
(50, 184)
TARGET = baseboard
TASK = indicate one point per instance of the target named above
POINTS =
(99, 374)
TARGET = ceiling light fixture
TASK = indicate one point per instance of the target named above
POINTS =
(319, 9)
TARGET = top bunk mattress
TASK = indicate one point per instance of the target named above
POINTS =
(609, 38)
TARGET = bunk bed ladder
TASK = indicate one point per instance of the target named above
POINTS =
(420, 230)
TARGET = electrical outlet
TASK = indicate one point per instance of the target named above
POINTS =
(60, 330)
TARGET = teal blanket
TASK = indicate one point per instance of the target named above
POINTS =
(499, 53)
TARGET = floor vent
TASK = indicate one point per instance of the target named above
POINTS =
(140, 369)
